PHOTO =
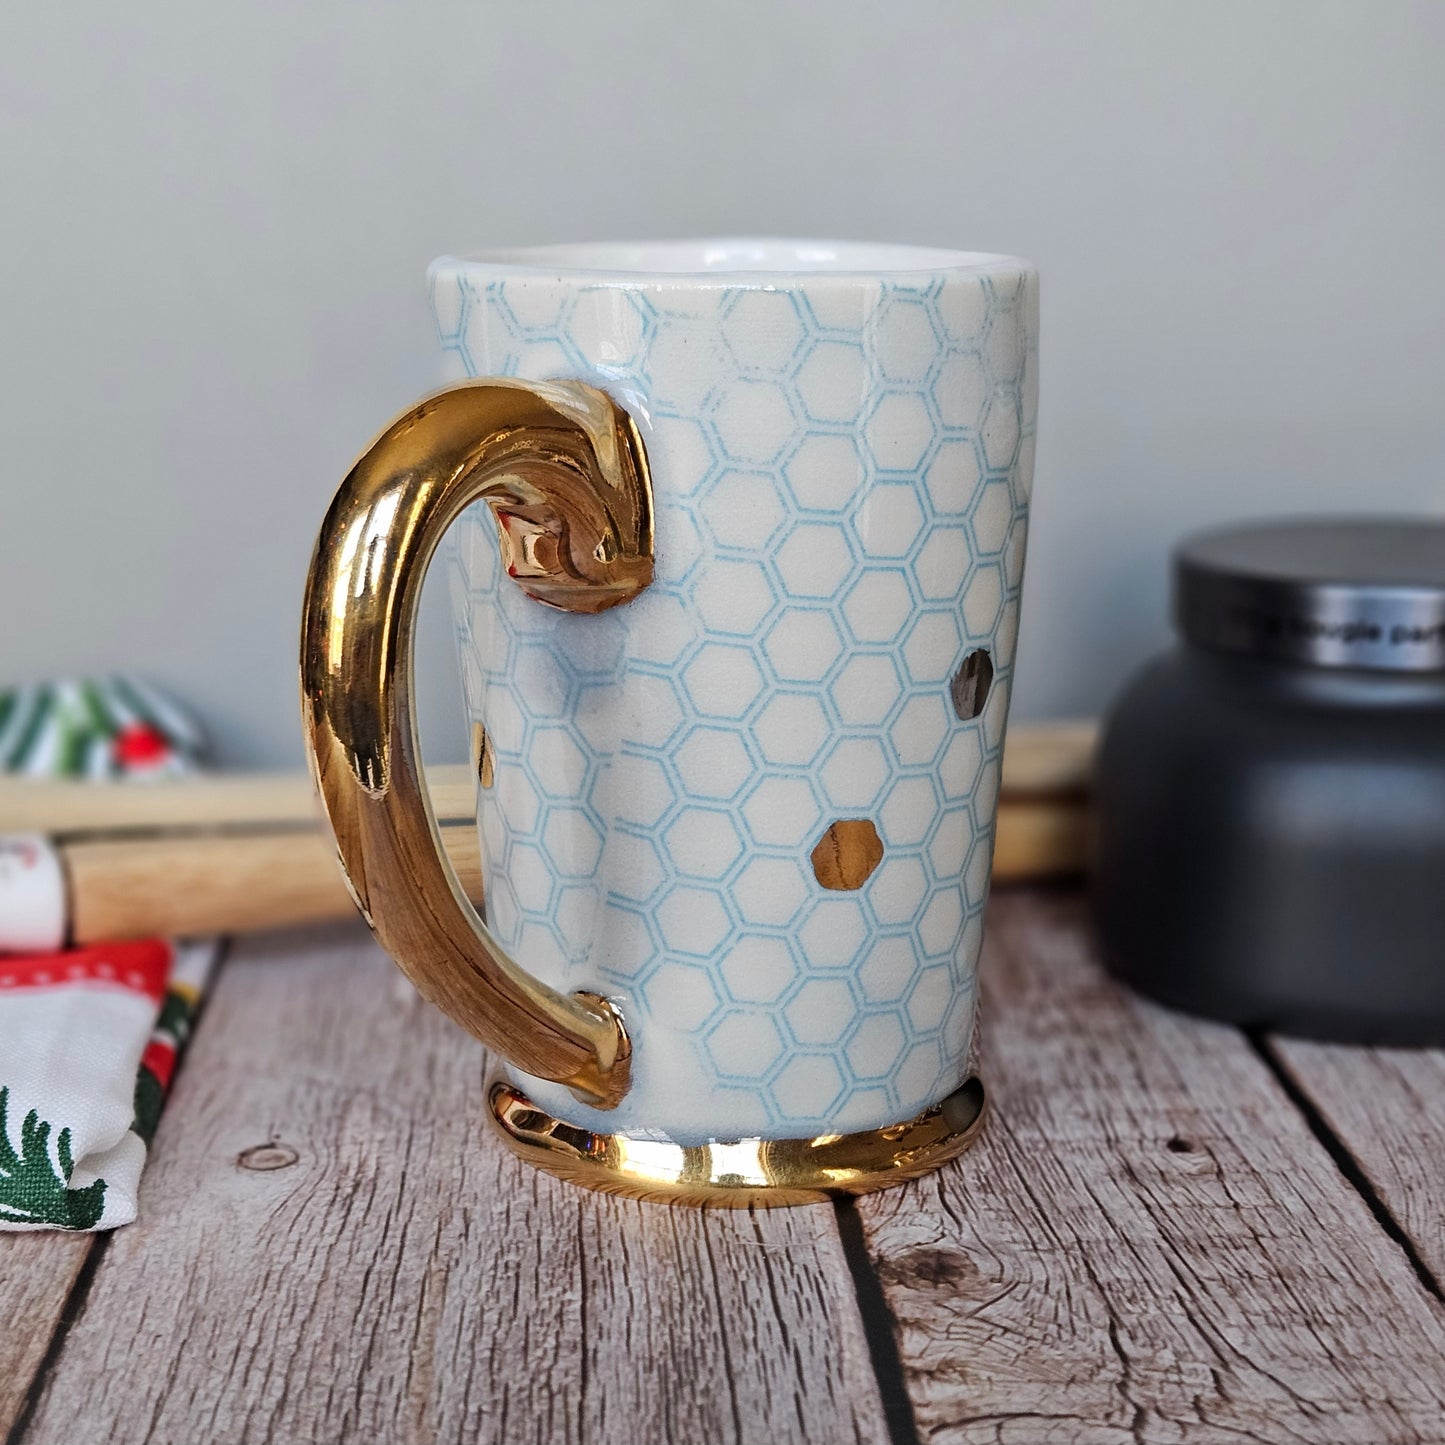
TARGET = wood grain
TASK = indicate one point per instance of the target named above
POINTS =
(1148, 1244)
(38, 1270)
(330, 1248)
(1387, 1107)
(1049, 759)
(1040, 838)
(68, 807)
(222, 883)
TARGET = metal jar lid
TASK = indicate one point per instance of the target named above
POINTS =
(1365, 592)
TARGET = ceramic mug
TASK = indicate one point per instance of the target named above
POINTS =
(739, 544)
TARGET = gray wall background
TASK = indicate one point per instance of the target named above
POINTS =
(216, 220)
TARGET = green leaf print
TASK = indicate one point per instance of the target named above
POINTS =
(31, 1192)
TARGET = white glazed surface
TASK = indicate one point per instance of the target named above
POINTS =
(841, 460)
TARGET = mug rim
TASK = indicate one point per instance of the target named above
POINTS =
(772, 261)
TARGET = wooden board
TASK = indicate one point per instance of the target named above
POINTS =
(1167, 1234)
(330, 1248)
(1387, 1109)
(1149, 1244)
(1042, 760)
(39, 1271)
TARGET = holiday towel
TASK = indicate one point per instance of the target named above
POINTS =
(88, 1036)
(88, 1043)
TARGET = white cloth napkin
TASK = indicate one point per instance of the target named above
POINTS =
(88, 1036)
(88, 1044)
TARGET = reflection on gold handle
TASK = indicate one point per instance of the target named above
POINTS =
(564, 471)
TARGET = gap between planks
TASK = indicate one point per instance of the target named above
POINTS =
(1384, 1110)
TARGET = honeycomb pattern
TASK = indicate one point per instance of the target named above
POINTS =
(841, 473)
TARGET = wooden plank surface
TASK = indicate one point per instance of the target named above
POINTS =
(1387, 1108)
(1148, 1244)
(38, 1271)
(330, 1248)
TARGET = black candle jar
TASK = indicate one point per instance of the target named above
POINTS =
(1271, 794)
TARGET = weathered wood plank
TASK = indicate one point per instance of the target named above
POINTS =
(38, 1271)
(330, 1248)
(1148, 1244)
(1387, 1107)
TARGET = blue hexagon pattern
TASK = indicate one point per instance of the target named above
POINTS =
(841, 474)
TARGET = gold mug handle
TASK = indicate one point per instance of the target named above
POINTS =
(564, 471)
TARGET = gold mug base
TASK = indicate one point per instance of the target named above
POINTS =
(744, 1173)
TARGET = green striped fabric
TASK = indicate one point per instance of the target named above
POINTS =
(104, 728)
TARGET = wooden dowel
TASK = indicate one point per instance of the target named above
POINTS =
(1049, 760)
(220, 884)
(1040, 760)
(1040, 838)
(227, 800)
(245, 882)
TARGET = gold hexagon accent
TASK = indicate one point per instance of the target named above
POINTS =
(846, 855)
(482, 755)
(970, 686)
